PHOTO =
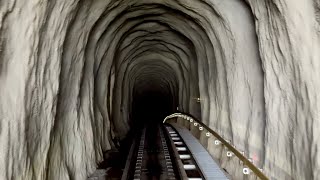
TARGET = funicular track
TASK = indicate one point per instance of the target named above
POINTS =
(159, 153)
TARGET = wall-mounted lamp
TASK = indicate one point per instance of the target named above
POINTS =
(217, 142)
(246, 171)
(198, 99)
(229, 153)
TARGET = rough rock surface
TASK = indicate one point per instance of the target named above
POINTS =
(69, 71)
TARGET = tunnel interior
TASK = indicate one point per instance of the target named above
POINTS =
(151, 106)
(79, 77)
(152, 100)
(153, 94)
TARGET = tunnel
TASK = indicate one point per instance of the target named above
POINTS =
(79, 78)
(151, 106)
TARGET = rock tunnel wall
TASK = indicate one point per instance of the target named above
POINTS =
(69, 71)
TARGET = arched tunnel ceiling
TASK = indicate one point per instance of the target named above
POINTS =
(70, 72)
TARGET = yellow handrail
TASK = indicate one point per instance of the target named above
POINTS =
(246, 161)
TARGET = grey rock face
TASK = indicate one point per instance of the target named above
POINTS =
(69, 71)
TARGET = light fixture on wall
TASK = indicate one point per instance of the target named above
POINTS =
(198, 99)
(246, 171)
(229, 153)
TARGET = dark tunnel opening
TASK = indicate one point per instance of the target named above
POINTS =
(151, 107)
(149, 104)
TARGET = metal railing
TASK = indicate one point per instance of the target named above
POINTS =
(250, 167)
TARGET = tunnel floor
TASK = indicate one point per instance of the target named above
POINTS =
(148, 109)
(154, 168)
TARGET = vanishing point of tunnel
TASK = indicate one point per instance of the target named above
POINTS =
(80, 78)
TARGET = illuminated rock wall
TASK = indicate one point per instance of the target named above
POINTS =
(69, 71)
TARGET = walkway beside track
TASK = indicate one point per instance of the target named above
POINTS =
(209, 168)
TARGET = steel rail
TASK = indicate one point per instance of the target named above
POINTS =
(172, 163)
